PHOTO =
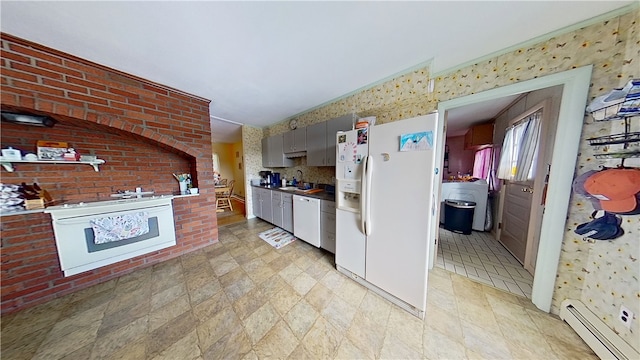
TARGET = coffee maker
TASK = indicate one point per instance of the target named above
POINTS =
(275, 179)
(265, 178)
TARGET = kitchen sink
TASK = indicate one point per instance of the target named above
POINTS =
(289, 188)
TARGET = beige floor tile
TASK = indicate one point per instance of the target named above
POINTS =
(366, 335)
(135, 350)
(210, 307)
(184, 349)
(213, 328)
(249, 303)
(525, 341)
(168, 295)
(333, 280)
(487, 344)
(55, 347)
(443, 300)
(376, 308)
(23, 348)
(234, 344)
(323, 339)
(317, 270)
(223, 264)
(406, 327)
(349, 351)
(393, 348)
(170, 333)
(339, 312)
(319, 296)
(290, 273)
(300, 353)
(285, 299)
(443, 321)
(481, 316)
(351, 292)
(303, 283)
(300, 318)
(82, 319)
(556, 328)
(571, 350)
(278, 343)
(260, 322)
(110, 343)
(441, 346)
(236, 290)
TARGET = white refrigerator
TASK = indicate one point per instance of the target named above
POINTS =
(385, 208)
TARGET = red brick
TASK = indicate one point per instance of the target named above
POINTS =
(36, 71)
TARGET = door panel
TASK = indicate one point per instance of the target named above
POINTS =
(515, 217)
(400, 207)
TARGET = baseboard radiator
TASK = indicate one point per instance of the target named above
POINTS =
(602, 340)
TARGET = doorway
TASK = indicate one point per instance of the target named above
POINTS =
(565, 149)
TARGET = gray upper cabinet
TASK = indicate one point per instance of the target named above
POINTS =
(272, 152)
(295, 141)
(317, 144)
(321, 140)
(342, 123)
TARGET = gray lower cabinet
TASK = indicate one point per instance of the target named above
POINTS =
(273, 152)
(276, 206)
(273, 206)
(328, 225)
(262, 206)
(287, 212)
(256, 204)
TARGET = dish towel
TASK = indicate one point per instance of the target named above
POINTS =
(120, 227)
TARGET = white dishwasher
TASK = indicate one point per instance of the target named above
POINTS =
(306, 219)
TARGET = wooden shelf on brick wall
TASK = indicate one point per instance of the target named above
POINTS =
(8, 165)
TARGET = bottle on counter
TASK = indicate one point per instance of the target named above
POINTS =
(284, 181)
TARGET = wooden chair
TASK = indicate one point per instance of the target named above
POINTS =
(223, 199)
(222, 182)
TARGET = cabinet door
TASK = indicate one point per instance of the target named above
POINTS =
(328, 225)
(317, 144)
(287, 212)
(295, 140)
(276, 207)
(265, 152)
(256, 203)
(267, 210)
(342, 123)
(276, 152)
(289, 142)
(300, 136)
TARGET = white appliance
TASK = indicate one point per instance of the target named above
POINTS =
(477, 191)
(385, 206)
(306, 219)
(77, 249)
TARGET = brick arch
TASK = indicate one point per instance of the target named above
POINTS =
(100, 104)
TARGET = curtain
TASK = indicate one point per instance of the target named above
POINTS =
(520, 149)
(482, 163)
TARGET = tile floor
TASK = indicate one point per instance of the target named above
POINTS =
(481, 257)
(242, 299)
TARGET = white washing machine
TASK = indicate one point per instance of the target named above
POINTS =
(477, 191)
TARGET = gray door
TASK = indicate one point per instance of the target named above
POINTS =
(515, 217)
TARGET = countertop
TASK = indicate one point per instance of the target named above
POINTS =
(319, 195)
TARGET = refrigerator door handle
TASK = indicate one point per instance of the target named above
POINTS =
(369, 173)
(363, 195)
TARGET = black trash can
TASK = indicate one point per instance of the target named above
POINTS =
(458, 215)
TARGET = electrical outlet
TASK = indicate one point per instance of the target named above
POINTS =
(625, 316)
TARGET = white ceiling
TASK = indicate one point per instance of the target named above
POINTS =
(263, 62)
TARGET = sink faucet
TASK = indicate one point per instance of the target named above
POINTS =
(300, 180)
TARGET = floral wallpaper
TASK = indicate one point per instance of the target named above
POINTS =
(252, 161)
(604, 275)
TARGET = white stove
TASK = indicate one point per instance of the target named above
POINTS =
(78, 249)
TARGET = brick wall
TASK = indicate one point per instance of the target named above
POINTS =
(144, 131)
